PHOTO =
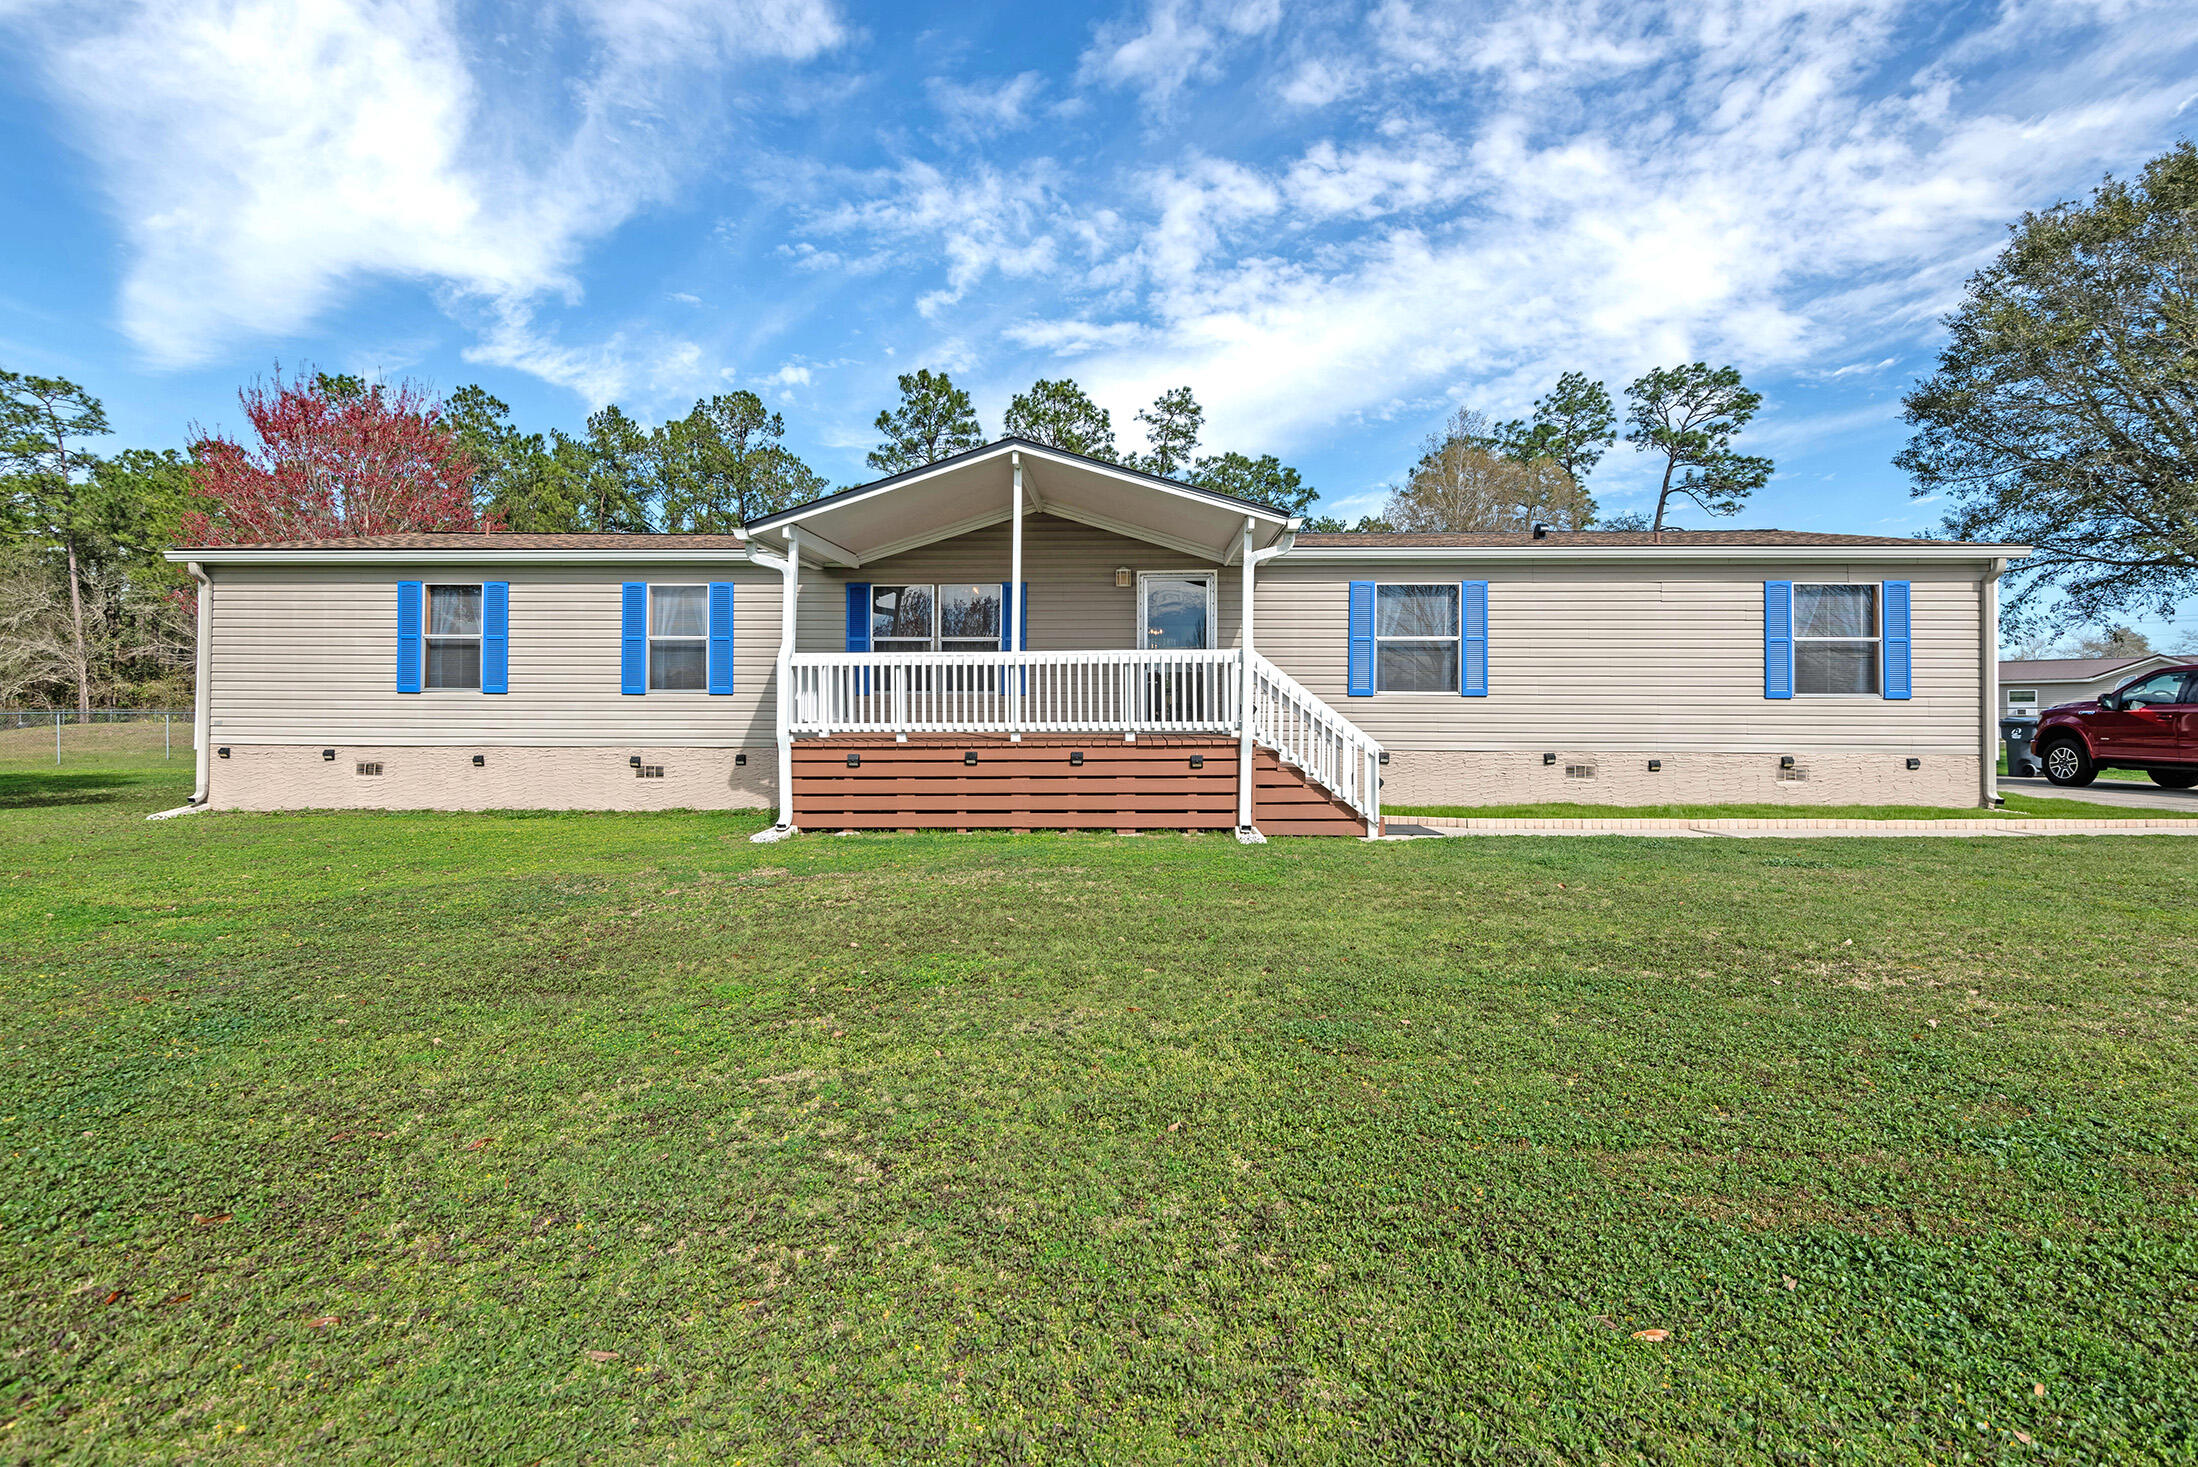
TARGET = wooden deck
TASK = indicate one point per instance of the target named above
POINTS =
(929, 782)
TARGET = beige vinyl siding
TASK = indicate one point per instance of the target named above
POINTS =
(1633, 655)
(1074, 604)
(309, 653)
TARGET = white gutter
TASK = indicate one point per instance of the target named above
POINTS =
(1543, 551)
(782, 714)
(248, 556)
(202, 712)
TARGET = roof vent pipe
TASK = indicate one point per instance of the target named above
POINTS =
(1541, 531)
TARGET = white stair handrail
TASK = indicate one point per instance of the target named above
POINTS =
(1305, 731)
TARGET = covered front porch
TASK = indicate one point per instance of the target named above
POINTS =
(1019, 593)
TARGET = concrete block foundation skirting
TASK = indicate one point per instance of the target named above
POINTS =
(413, 777)
(1443, 777)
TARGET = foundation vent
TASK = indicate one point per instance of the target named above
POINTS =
(374, 768)
(1795, 775)
(649, 771)
(1579, 771)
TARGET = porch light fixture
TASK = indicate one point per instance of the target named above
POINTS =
(1785, 761)
(328, 755)
(1915, 763)
(480, 761)
(1123, 576)
(854, 761)
(1077, 758)
(969, 756)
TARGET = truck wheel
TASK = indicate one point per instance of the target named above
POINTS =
(2174, 779)
(2067, 763)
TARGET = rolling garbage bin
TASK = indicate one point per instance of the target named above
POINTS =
(2015, 734)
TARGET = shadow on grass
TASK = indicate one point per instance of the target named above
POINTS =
(31, 791)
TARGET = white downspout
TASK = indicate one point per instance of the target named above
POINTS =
(202, 715)
(789, 570)
(1988, 674)
(1245, 831)
(1014, 638)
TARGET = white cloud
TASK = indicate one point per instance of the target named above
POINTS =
(1176, 42)
(621, 364)
(262, 157)
(987, 106)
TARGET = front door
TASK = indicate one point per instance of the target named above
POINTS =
(1175, 610)
(2146, 726)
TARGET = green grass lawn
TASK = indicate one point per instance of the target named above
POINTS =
(618, 1138)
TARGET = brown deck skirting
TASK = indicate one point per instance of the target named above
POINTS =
(925, 783)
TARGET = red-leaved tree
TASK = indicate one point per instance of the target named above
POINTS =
(334, 457)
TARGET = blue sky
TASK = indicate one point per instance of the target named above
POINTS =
(1335, 222)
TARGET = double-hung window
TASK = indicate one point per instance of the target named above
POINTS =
(453, 637)
(679, 630)
(1416, 638)
(1837, 640)
(902, 618)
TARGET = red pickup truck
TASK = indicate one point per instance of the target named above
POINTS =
(2150, 724)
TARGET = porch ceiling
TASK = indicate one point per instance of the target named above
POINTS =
(975, 489)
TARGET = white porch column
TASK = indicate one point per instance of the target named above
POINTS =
(789, 570)
(1013, 609)
(1244, 750)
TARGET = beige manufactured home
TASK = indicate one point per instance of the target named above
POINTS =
(1020, 637)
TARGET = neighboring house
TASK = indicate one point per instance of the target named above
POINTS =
(2033, 685)
(1020, 637)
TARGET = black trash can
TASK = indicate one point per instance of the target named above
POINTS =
(2015, 736)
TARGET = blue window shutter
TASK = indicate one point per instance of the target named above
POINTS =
(1361, 665)
(1022, 615)
(1899, 642)
(633, 637)
(496, 637)
(1473, 639)
(1778, 639)
(409, 596)
(721, 636)
(858, 616)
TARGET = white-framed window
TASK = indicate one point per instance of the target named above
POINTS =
(2022, 698)
(1416, 637)
(453, 651)
(679, 639)
(962, 617)
(1837, 641)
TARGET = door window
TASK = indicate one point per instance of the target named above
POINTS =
(1177, 611)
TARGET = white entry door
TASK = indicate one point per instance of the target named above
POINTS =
(1175, 609)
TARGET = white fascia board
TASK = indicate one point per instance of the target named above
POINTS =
(1922, 550)
(456, 557)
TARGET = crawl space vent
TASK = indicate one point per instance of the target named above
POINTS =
(370, 768)
(1579, 771)
(1795, 775)
(649, 771)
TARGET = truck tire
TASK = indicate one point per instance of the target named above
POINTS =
(2174, 779)
(2068, 763)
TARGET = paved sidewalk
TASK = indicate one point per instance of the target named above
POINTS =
(1797, 827)
(2125, 792)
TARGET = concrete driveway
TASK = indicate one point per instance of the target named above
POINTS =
(2103, 791)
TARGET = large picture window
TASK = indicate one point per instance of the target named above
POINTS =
(1837, 641)
(453, 637)
(679, 648)
(945, 618)
(1416, 638)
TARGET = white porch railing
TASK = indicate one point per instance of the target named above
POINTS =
(1149, 691)
(1328, 748)
(1016, 692)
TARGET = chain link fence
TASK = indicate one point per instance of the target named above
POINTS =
(63, 736)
